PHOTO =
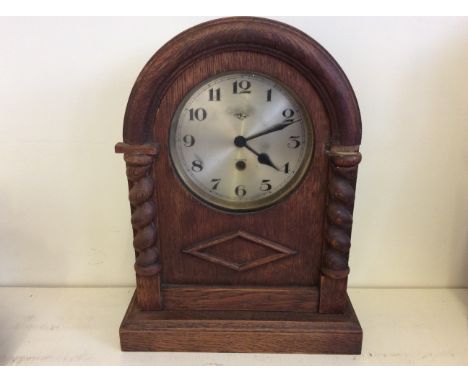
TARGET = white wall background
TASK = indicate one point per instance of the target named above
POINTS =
(64, 83)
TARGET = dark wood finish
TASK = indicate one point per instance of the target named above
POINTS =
(139, 160)
(148, 291)
(146, 149)
(194, 297)
(191, 221)
(239, 251)
(234, 331)
(341, 187)
(270, 281)
(243, 34)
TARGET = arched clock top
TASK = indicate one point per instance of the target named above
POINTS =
(244, 34)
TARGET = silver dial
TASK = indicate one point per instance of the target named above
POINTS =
(241, 141)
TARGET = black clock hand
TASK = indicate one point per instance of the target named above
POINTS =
(277, 127)
(262, 158)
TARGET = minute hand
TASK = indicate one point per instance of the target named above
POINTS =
(277, 127)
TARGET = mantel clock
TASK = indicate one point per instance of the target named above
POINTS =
(241, 141)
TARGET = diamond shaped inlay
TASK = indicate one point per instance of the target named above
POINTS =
(239, 251)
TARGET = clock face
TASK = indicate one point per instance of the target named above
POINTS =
(241, 141)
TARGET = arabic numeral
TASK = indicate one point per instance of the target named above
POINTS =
(215, 183)
(241, 87)
(197, 165)
(215, 94)
(266, 186)
(197, 114)
(288, 114)
(294, 142)
(189, 140)
(240, 191)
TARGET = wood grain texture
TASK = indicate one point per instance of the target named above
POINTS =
(193, 297)
(232, 296)
(341, 190)
(258, 332)
(248, 34)
(148, 292)
(239, 251)
(190, 221)
(139, 160)
(146, 149)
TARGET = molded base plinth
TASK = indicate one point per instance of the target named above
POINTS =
(240, 331)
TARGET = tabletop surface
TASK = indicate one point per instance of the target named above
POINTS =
(79, 326)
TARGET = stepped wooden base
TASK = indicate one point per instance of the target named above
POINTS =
(240, 331)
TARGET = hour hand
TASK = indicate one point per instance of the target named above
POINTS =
(262, 158)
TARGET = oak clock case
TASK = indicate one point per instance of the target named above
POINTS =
(241, 140)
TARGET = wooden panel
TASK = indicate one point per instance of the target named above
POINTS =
(148, 292)
(333, 295)
(269, 332)
(296, 222)
(191, 297)
(242, 342)
(240, 251)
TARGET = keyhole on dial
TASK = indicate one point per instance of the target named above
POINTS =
(240, 165)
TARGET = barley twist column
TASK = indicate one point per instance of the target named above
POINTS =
(341, 186)
(139, 160)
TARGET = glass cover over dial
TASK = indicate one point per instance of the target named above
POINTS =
(241, 141)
